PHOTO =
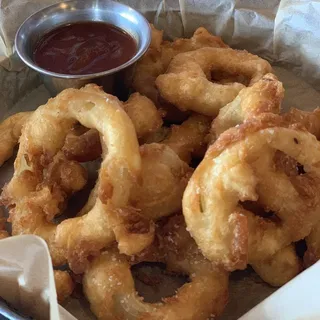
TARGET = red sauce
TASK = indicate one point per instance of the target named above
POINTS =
(84, 48)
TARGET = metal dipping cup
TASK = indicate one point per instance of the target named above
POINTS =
(114, 81)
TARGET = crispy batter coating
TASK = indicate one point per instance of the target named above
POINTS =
(186, 83)
(109, 285)
(190, 137)
(240, 167)
(310, 120)
(143, 114)
(262, 97)
(82, 144)
(164, 178)
(10, 131)
(64, 284)
(44, 178)
(157, 136)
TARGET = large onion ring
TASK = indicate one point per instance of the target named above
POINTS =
(240, 167)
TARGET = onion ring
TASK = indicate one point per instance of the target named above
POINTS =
(142, 112)
(239, 166)
(185, 83)
(43, 178)
(109, 285)
(262, 97)
(156, 61)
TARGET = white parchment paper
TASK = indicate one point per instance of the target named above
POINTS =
(285, 32)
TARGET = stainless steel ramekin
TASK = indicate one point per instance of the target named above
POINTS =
(73, 11)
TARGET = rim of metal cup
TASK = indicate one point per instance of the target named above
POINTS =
(30, 63)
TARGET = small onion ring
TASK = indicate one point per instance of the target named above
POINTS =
(262, 97)
(185, 83)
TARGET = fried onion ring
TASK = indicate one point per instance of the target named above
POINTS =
(109, 286)
(262, 97)
(156, 61)
(43, 178)
(82, 144)
(186, 83)
(10, 131)
(239, 167)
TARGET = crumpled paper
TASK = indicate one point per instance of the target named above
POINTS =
(284, 32)
(26, 278)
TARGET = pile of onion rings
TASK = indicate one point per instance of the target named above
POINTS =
(199, 171)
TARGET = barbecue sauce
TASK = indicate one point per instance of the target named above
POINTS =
(84, 48)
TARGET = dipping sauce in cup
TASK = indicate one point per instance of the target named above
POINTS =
(75, 42)
(84, 48)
